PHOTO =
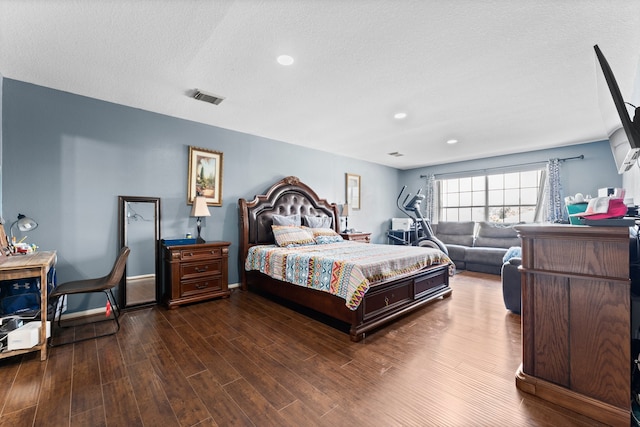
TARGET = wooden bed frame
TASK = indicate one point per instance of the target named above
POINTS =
(383, 302)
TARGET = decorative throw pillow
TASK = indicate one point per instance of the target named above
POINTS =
(317, 221)
(321, 240)
(323, 232)
(287, 220)
(287, 235)
(325, 235)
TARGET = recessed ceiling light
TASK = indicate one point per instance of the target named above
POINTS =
(452, 141)
(285, 60)
(400, 116)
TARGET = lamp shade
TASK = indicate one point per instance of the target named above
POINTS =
(199, 208)
(23, 223)
(345, 210)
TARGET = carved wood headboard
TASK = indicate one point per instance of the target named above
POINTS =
(288, 196)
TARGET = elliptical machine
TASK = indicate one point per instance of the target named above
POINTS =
(423, 233)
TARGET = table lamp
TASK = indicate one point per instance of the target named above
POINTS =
(24, 223)
(345, 214)
(198, 210)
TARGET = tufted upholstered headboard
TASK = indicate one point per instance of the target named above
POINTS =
(288, 196)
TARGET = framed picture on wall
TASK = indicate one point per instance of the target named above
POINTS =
(205, 175)
(353, 191)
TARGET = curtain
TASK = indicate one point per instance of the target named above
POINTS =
(554, 192)
(541, 204)
(430, 197)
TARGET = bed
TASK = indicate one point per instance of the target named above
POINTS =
(382, 301)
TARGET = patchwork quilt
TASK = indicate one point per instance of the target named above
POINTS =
(345, 269)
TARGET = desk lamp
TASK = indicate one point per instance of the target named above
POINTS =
(198, 210)
(345, 214)
(24, 223)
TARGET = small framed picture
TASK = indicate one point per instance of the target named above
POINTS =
(353, 191)
(205, 176)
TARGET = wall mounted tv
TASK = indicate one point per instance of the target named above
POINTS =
(623, 133)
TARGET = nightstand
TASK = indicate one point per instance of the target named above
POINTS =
(192, 273)
(357, 236)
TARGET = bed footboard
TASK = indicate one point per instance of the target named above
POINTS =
(382, 304)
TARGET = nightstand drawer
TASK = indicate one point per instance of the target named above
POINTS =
(190, 287)
(200, 269)
(192, 254)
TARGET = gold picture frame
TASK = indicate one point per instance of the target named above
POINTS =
(205, 175)
(353, 190)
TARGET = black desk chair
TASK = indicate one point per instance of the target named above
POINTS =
(102, 284)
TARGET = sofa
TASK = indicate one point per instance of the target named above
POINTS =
(477, 246)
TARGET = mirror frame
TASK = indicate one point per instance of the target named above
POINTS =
(353, 193)
(122, 221)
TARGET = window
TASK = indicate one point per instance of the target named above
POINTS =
(501, 197)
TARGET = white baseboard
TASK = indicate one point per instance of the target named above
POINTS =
(84, 313)
(101, 310)
(142, 276)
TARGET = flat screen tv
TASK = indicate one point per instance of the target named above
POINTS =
(623, 132)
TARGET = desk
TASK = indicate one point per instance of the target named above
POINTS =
(22, 267)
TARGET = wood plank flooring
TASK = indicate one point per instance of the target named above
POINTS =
(248, 361)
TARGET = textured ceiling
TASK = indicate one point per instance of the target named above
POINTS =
(500, 76)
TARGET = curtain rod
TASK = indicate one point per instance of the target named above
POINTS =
(581, 156)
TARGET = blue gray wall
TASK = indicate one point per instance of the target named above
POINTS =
(596, 170)
(68, 157)
(1, 116)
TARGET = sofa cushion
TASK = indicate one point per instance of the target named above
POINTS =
(457, 253)
(485, 255)
(494, 235)
(455, 233)
(484, 268)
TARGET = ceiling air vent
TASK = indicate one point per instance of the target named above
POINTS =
(207, 97)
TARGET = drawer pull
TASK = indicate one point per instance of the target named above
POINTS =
(201, 285)
(386, 301)
(201, 270)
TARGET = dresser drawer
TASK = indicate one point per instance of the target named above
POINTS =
(200, 253)
(205, 268)
(198, 286)
(380, 300)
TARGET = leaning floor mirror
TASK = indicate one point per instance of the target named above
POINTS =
(139, 220)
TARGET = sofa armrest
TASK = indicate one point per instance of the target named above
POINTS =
(516, 262)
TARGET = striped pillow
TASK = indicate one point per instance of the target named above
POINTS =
(325, 235)
(288, 235)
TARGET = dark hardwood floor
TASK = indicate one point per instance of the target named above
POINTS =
(248, 361)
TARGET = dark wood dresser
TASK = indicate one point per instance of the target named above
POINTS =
(197, 272)
(576, 319)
